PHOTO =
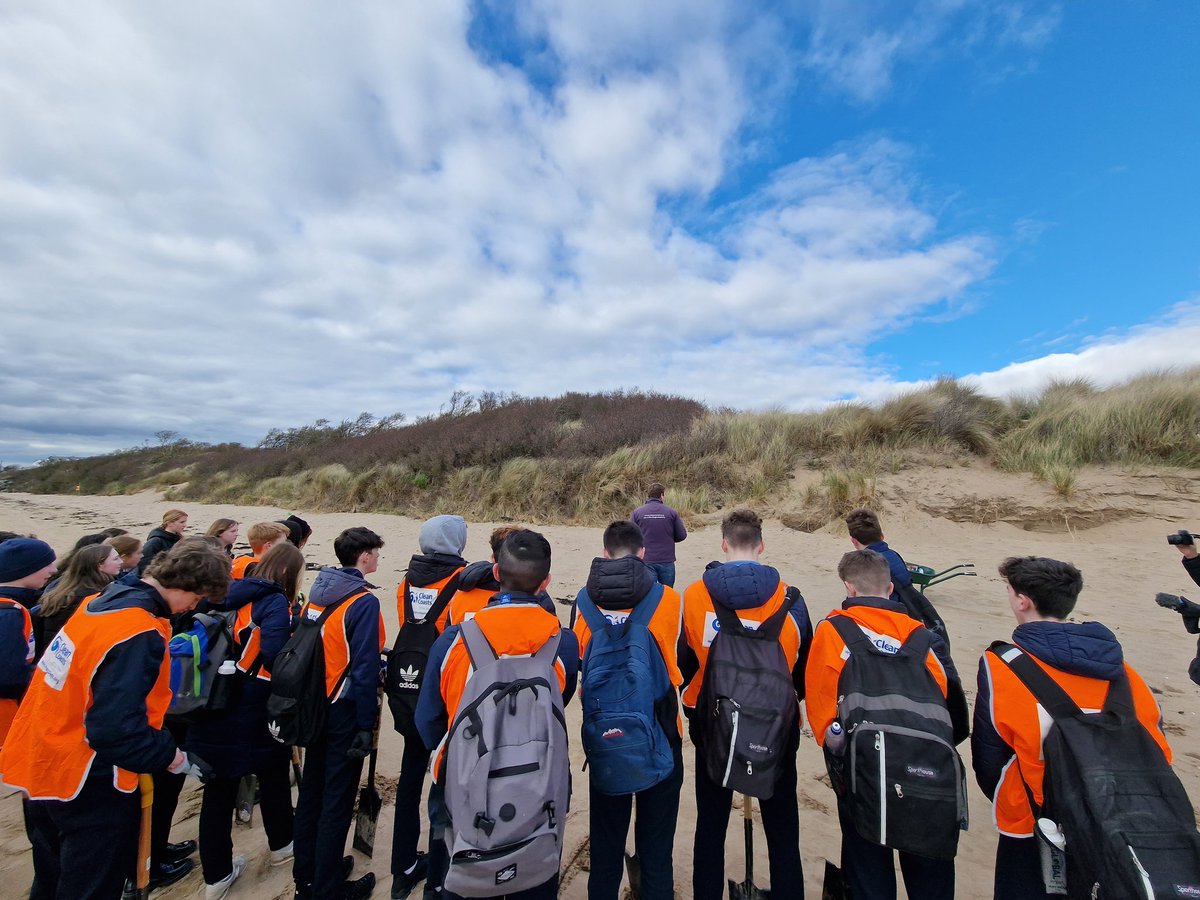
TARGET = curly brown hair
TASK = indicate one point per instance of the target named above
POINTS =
(194, 566)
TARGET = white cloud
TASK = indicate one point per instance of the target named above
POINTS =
(220, 219)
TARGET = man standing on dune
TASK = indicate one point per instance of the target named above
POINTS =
(662, 529)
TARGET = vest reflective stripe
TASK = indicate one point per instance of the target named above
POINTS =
(699, 627)
(1015, 716)
(47, 754)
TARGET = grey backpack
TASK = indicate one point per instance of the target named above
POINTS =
(506, 772)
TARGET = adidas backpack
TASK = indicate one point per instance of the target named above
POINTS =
(624, 677)
(903, 779)
(299, 702)
(747, 703)
(410, 656)
(506, 772)
(1129, 827)
(196, 658)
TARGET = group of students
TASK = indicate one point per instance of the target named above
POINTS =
(477, 679)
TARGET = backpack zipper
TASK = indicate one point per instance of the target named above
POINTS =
(732, 744)
(881, 747)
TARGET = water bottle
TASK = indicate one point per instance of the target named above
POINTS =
(835, 738)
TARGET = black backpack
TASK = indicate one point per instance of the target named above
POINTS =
(299, 703)
(899, 772)
(409, 657)
(1129, 827)
(747, 704)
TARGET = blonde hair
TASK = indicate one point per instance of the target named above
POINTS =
(263, 532)
(173, 515)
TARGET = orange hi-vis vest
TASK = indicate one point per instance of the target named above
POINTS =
(47, 754)
(337, 643)
(1023, 725)
(8, 706)
(241, 564)
(517, 629)
(424, 597)
(466, 605)
(828, 654)
(700, 627)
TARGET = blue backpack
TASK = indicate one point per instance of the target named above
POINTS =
(624, 679)
(196, 657)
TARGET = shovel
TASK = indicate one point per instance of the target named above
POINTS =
(142, 875)
(746, 890)
(370, 801)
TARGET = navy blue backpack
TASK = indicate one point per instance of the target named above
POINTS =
(624, 678)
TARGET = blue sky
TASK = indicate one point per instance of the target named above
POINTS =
(218, 220)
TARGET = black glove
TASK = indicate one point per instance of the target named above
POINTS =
(360, 747)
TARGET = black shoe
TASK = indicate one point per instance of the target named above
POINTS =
(304, 891)
(358, 890)
(182, 850)
(404, 882)
(169, 873)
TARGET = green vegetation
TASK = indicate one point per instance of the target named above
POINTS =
(589, 457)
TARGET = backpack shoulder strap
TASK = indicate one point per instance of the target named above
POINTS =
(644, 611)
(479, 649)
(852, 636)
(590, 612)
(549, 650)
(332, 607)
(1045, 689)
(445, 595)
(918, 643)
(1120, 697)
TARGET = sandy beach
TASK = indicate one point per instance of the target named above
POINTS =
(1114, 530)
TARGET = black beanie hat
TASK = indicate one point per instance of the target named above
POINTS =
(20, 557)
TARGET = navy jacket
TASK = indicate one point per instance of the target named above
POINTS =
(238, 742)
(362, 633)
(1086, 648)
(15, 672)
(116, 723)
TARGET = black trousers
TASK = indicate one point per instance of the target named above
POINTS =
(326, 803)
(85, 848)
(870, 869)
(166, 799)
(407, 833)
(653, 837)
(1019, 869)
(781, 824)
(216, 817)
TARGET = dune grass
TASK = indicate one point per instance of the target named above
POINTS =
(589, 458)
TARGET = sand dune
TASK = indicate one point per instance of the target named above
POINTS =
(1114, 530)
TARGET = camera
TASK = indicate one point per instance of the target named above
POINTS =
(1181, 538)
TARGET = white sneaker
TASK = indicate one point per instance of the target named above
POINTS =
(282, 855)
(221, 888)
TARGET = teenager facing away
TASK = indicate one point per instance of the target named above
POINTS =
(754, 592)
(477, 582)
(92, 720)
(26, 564)
(617, 583)
(225, 531)
(166, 536)
(353, 639)
(515, 623)
(1084, 658)
(299, 531)
(442, 540)
(262, 537)
(90, 571)
(662, 529)
(870, 868)
(238, 743)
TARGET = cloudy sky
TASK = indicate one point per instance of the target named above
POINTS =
(218, 218)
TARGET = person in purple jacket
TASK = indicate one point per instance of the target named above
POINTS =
(662, 529)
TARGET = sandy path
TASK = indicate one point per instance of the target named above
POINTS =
(1123, 562)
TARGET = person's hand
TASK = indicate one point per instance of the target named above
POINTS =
(1187, 551)
(360, 747)
(191, 764)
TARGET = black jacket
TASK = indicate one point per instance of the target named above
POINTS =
(157, 541)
